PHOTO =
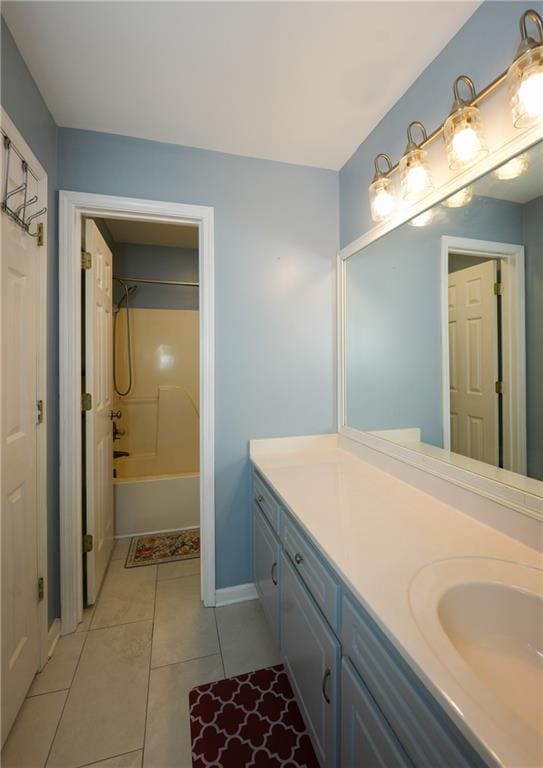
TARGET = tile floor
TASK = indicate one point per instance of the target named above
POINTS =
(115, 693)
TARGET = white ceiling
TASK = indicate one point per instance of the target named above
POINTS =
(151, 233)
(300, 82)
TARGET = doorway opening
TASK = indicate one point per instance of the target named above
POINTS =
(483, 351)
(137, 278)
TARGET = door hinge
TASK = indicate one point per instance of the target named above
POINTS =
(87, 543)
(498, 386)
(86, 401)
(41, 588)
(40, 234)
(39, 411)
(86, 260)
(498, 289)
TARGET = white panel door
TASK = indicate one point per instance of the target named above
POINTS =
(473, 362)
(19, 523)
(98, 425)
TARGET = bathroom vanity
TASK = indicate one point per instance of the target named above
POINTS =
(372, 589)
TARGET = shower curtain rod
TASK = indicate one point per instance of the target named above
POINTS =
(155, 282)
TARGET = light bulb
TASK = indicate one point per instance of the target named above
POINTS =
(423, 219)
(459, 199)
(530, 96)
(466, 145)
(417, 180)
(381, 191)
(513, 168)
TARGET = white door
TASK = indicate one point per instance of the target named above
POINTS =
(19, 523)
(473, 362)
(98, 425)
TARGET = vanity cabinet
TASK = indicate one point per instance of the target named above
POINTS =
(311, 653)
(363, 705)
(367, 740)
(266, 569)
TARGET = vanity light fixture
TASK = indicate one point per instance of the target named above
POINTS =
(463, 129)
(525, 75)
(513, 168)
(459, 199)
(423, 219)
(415, 177)
(382, 198)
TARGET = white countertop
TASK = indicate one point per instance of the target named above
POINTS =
(378, 533)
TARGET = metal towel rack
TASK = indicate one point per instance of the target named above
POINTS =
(19, 214)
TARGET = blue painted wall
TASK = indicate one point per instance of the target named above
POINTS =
(393, 316)
(158, 263)
(25, 106)
(276, 235)
(484, 47)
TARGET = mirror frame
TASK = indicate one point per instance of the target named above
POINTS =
(515, 491)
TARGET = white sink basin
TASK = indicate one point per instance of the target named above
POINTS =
(483, 618)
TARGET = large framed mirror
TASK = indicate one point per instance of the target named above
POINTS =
(441, 333)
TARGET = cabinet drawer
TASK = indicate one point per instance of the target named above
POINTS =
(425, 731)
(311, 654)
(324, 589)
(266, 569)
(366, 738)
(266, 501)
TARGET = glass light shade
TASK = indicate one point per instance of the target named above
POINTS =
(423, 219)
(512, 168)
(459, 199)
(415, 178)
(382, 199)
(525, 79)
(464, 138)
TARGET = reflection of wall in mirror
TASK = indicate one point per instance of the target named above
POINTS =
(393, 342)
(533, 242)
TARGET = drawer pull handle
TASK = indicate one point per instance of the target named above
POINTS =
(260, 499)
(298, 558)
(273, 572)
(324, 681)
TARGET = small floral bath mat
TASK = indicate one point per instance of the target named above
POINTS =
(163, 548)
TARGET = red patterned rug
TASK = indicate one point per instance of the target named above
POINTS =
(163, 548)
(249, 721)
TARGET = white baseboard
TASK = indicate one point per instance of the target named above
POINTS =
(135, 534)
(53, 636)
(237, 594)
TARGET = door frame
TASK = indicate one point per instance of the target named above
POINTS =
(511, 258)
(48, 635)
(73, 206)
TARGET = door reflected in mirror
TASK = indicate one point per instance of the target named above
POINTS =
(443, 338)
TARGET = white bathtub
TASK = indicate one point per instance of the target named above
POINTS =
(156, 503)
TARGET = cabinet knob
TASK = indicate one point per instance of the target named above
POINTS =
(273, 572)
(298, 558)
(260, 499)
(324, 682)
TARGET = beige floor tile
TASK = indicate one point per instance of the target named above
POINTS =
(120, 550)
(167, 737)
(184, 629)
(130, 760)
(246, 641)
(30, 739)
(84, 624)
(128, 594)
(179, 568)
(58, 673)
(105, 711)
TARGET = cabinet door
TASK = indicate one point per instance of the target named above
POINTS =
(311, 655)
(266, 569)
(367, 741)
